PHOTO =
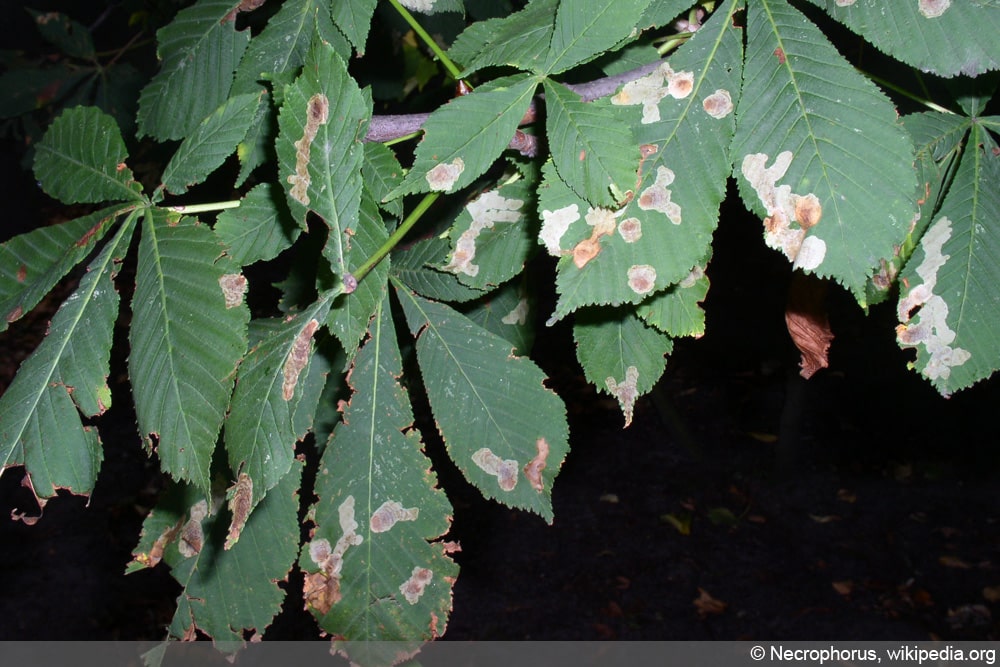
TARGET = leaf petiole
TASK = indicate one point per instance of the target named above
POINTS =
(396, 236)
(428, 40)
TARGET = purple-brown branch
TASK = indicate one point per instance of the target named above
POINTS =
(389, 127)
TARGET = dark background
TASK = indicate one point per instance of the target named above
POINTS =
(857, 505)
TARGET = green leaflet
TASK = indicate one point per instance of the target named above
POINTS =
(493, 236)
(946, 38)
(63, 32)
(199, 53)
(187, 337)
(225, 593)
(520, 40)
(321, 125)
(372, 572)
(507, 312)
(683, 122)
(676, 311)
(948, 289)
(415, 266)
(827, 175)
(82, 159)
(620, 355)
(260, 228)
(260, 433)
(586, 28)
(586, 140)
(212, 142)
(457, 147)
(476, 386)
(31, 264)
(40, 426)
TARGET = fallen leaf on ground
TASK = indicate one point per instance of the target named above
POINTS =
(846, 496)
(843, 587)
(706, 604)
(681, 523)
(955, 562)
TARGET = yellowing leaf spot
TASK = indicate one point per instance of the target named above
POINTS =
(519, 315)
(647, 91)
(442, 177)
(391, 511)
(783, 208)
(239, 506)
(414, 587)
(642, 278)
(554, 225)
(504, 470)
(297, 359)
(192, 535)
(657, 197)
(487, 209)
(719, 104)
(931, 328)
(533, 468)
(317, 113)
(234, 286)
(933, 8)
(626, 392)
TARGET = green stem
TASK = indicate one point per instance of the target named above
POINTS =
(905, 93)
(396, 236)
(203, 208)
(428, 40)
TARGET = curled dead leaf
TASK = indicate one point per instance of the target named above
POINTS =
(807, 322)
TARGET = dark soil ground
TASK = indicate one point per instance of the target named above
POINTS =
(743, 502)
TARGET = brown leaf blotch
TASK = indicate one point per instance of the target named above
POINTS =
(808, 211)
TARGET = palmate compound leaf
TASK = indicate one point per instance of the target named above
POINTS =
(31, 264)
(81, 158)
(938, 36)
(199, 51)
(214, 140)
(457, 146)
(372, 571)
(227, 594)
(40, 426)
(620, 355)
(502, 427)
(188, 334)
(321, 124)
(819, 151)
(948, 288)
(683, 122)
(260, 432)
